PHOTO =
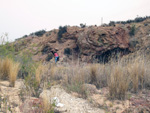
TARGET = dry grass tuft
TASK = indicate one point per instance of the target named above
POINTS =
(13, 72)
(5, 67)
(9, 70)
(118, 82)
(47, 107)
(93, 73)
(136, 70)
(38, 73)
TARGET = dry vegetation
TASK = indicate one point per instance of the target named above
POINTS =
(9, 70)
(47, 107)
(120, 77)
(38, 73)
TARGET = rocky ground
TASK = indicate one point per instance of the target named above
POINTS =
(98, 102)
(71, 103)
(11, 102)
(9, 97)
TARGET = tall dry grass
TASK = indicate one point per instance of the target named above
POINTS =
(130, 74)
(47, 107)
(5, 67)
(13, 72)
(9, 70)
(118, 82)
(98, 74)
(0, 67)
(94, 73)
(75, 78)
(136, 69)
(38, 72)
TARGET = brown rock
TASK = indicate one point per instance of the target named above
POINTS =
(87, 43)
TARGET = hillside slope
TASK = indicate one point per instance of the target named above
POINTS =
(87, 44)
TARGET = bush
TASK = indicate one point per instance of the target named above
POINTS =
(7, 50)
(82, 25)
(39, 33)
(112, 23)
(49, 57)
(67, 51)
(61, 31)
(132, 31)
(37, 80)
(136, 20)
(26, 65)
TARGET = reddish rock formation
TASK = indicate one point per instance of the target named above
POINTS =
(87, 43)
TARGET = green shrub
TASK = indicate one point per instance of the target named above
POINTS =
(49, 57)
(82, 25)
(132, 31)
(39, 33)
(61, 31)
(7, 50)
(136, 20)
(26, 65)
(67, 51)
(112, 23)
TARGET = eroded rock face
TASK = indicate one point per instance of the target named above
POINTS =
(87, 43)
(83, 44)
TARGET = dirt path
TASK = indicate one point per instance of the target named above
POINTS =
(71, 104)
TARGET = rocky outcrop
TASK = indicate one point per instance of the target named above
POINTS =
(87, 43)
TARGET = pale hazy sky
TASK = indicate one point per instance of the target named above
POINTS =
(20, 17)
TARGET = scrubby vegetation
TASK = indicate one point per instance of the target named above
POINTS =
(39, 33)
(82, 25)
(9, 70)
(136, 20)
(61, 31)
(67, 51)
(132, 31)
(120, 76)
